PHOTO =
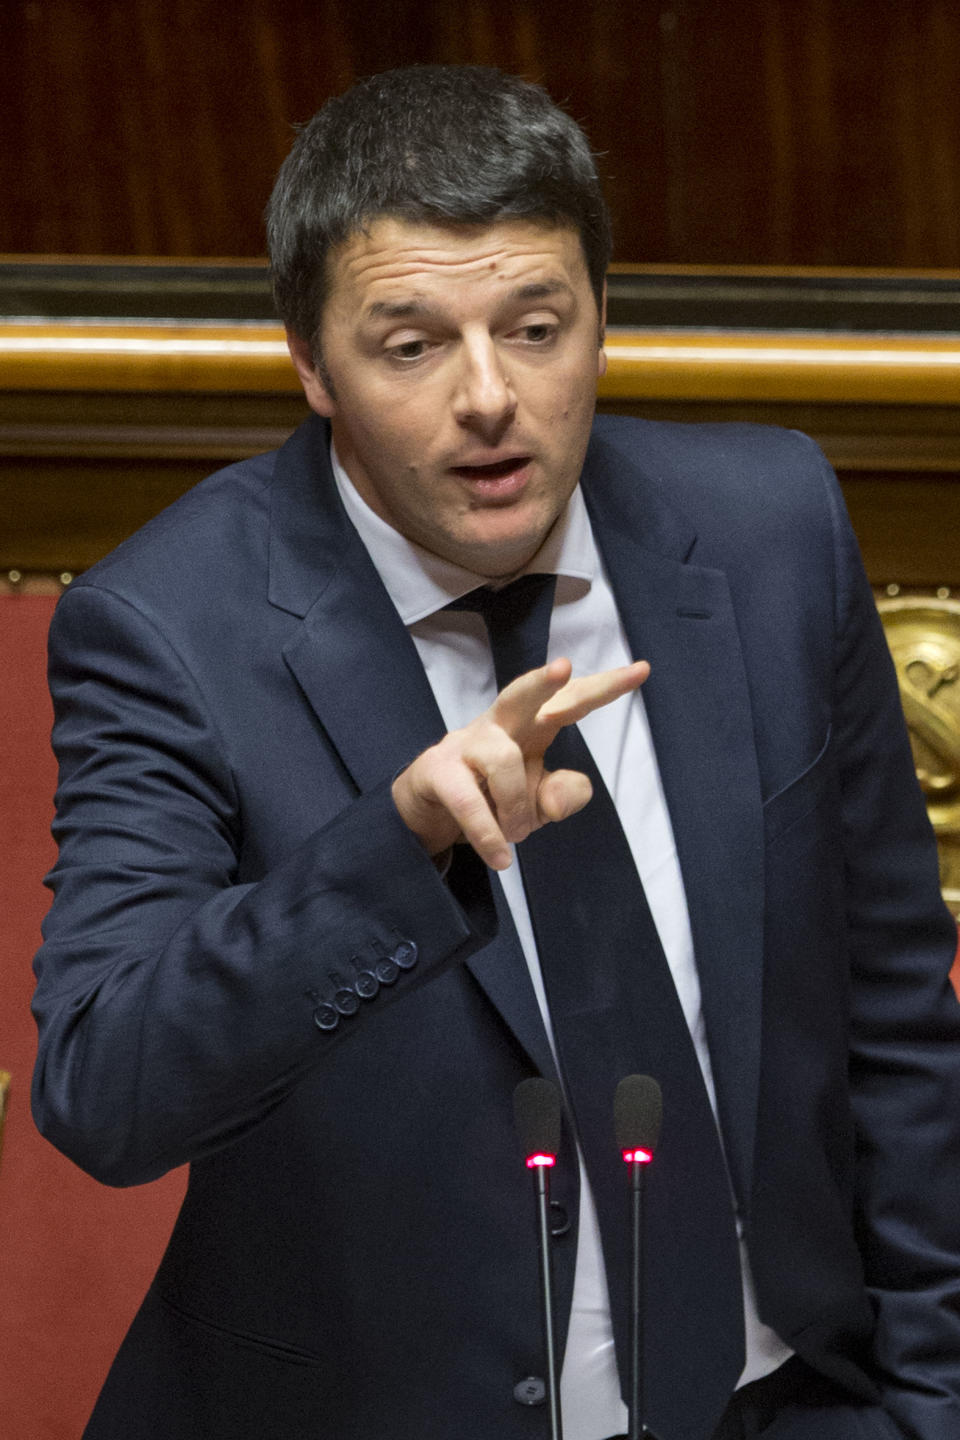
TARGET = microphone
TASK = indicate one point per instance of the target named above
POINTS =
(637, 1113)
(637, 1116)
(537, 1109)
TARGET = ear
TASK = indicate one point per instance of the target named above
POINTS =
(314, 386)
(601, 353)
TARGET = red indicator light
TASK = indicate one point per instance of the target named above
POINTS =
(534, 1161)
(641, 1157)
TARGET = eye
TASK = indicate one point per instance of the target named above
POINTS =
(539, 332)
(408, 350)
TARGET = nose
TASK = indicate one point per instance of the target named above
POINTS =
(485, 398)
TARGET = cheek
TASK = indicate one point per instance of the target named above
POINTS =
(405, 426)
(572, 404)
(385, 434)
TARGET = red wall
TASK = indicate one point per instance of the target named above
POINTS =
(75, 1257)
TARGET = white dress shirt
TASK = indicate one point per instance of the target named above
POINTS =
(586, 628)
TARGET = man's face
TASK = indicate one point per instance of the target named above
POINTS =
(459, 374)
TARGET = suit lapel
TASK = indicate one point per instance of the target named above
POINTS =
(351, 656)
(678, 615)
(355, 662)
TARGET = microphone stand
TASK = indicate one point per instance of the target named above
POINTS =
(540, 1165)
(637, 1113)
(636, 1429)
(537, 1108)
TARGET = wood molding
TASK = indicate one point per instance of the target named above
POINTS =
(159, 357)
(680, 365)
(819, 369)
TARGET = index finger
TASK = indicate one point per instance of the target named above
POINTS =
(590, 692)
(519, 703)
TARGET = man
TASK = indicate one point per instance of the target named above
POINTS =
(277, 950)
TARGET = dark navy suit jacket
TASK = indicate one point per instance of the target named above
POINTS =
(354, 1258)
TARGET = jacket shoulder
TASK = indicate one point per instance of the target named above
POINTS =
(736, 485)
(222, 521)
(726, 459)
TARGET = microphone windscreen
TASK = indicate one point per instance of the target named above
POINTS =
(637, 1112)
(536, 1109)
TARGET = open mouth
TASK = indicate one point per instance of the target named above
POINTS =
(499, 470)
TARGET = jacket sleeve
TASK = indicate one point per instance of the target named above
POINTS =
(905, 1028)
(177, 1006)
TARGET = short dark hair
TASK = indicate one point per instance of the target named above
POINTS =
(445, 144)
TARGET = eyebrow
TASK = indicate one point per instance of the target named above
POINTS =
(400, 309)
(418, 308)
(542, 290)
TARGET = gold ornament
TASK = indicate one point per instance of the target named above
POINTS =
(923, 632)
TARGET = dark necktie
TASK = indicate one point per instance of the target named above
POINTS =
(615, 1012)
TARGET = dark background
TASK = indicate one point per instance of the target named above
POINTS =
(784, 132)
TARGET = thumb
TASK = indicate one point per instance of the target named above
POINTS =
(562, 793)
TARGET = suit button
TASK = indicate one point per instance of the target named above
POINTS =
(405, 954)
(326, 1018)
(559, 1219)
(387, 972)
(347, 1001)
(531, 1391)
(367, 984)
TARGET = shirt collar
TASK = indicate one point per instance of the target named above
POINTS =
(420, 584)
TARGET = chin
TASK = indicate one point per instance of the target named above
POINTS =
(497, 561)
(502, 551)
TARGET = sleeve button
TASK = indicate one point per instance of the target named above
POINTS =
(347, 1002)
(366, 984)
(326, 1018)
(405, 954)
(387, 972)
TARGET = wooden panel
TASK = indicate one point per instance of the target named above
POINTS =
(82, 469)
(172, 119)
(908, 527)
(769, 131)
(61, 515)
(805, 131)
